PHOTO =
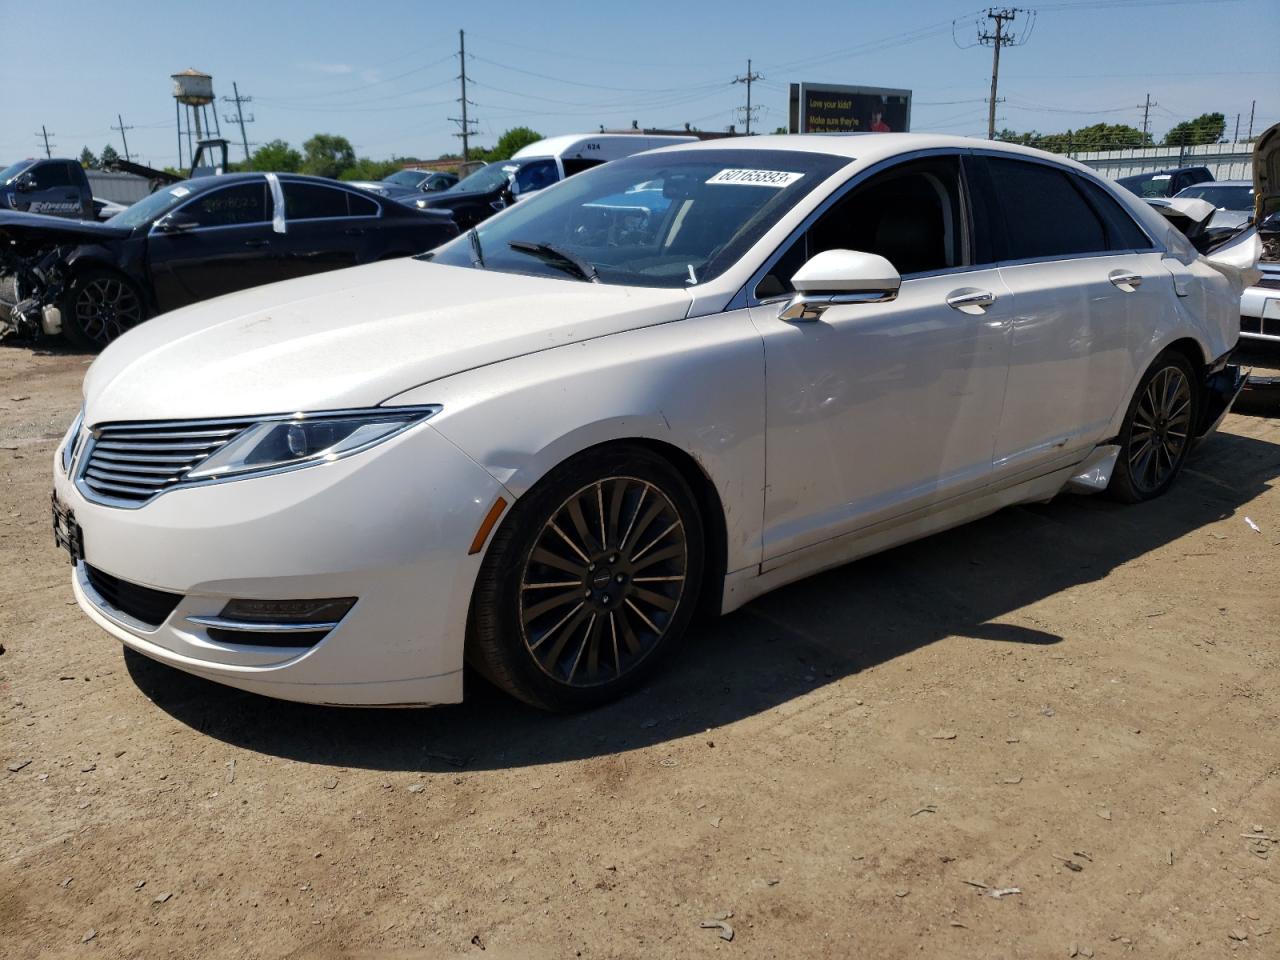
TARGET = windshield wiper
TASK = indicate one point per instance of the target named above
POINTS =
(559, 257)
(477, 255)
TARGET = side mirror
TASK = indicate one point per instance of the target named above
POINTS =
(176, 223)
(25, 183)
(840, 276)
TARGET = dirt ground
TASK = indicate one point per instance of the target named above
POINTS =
(1077, 700)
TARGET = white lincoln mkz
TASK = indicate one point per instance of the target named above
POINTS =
(674, 381)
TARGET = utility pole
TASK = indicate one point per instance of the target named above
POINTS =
(1235, 137)
(239, 101)
(463, 122)
(122, 128)
(46, 135)
(1000, 38)
(1146, 116)
(1252, 106)
(749, 79)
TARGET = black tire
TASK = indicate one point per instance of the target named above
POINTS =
(1158, 430)
(604, 618)
(100, 305)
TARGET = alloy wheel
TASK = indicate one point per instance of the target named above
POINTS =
(603, 582)
(1161, 429)
(105, 307)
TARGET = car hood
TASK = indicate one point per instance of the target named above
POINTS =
(23, 228)
(351, 338)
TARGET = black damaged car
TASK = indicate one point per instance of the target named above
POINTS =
(191, 241)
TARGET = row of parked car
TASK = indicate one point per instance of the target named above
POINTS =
(213, 234)
(210, 235)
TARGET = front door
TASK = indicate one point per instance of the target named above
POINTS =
(230, 247)
(878, 409)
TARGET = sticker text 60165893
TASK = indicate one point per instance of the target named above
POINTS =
(756, 178)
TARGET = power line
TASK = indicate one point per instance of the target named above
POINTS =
(45, 134)
(465, 131)
(240, 101)
(749, 79)
(1001, 38)
(122, 128)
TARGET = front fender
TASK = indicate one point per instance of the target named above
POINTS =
(696, 384)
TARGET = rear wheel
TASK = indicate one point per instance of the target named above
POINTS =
(100, 306)
(590, 582)
(1158, 429)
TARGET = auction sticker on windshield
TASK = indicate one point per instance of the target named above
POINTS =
(756, 178)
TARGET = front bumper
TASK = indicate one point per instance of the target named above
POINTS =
(390, 526)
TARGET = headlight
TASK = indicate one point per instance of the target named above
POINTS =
(304, 440)
(71, 442)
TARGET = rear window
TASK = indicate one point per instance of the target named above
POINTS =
(1044, 215)
(1122, 232)
(311, 201)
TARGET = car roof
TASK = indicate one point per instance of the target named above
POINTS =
(871, 147)
(228, 179)
(1220, 183)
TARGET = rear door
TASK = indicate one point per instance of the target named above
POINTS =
(1087, 284)
(231, 247)
(326, 228)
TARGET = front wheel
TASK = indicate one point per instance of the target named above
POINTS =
(590, 582)
(100, 306)
(1158, 430)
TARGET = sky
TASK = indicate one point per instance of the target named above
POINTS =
(385, 75)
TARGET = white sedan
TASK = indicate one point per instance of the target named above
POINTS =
(677, 380)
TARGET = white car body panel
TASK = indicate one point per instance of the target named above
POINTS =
(820, 441)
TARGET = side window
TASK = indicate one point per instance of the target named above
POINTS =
(1122, 232)
(48, 175)
(536, 175)
(244, 203)
(911, 215)
(578, 164)
(311, 201)
(361, 206)
(1044, 215)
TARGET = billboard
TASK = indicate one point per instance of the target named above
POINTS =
(832, 108)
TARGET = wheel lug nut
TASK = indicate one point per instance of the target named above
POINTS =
(614, 558)
(620, 578)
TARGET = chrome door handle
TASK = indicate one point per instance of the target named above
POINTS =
(970, 297)
(1121, 279)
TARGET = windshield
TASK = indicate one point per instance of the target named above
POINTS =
(1239, 197)
(651, 220)
(489, 177)
(152, 207)
(404, 178)
(12, 171)
(1148, 184)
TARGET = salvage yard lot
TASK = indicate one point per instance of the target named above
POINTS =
(1078, 700)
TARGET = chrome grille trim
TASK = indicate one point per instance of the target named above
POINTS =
(175, 447)
(128, 464)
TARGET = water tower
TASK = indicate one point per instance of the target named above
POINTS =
(194, 90)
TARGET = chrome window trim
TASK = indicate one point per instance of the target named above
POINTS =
(1156, 245)
(745, 297)
(360, 194)
(424, 411)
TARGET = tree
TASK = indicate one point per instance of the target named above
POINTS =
(277, 157)
(1206, 128)
(88, 160)
(366, 169)
(108, 157)
(1099, 136)
(514, 139)
(327, 155)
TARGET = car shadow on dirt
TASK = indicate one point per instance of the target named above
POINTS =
(966, 583)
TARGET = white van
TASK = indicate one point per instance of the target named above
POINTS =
(573, 153)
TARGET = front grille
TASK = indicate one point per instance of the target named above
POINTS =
(308, 638)
(1270, 282)
(132, 462)
(144, 604)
